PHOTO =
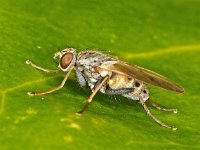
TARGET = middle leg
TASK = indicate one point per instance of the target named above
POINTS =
(93, 94)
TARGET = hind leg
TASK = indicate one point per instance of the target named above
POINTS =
(154, 104)
(121, 91)
(153, 117)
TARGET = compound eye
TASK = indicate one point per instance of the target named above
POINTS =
(66, 60)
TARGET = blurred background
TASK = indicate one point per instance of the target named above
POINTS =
(163, 36)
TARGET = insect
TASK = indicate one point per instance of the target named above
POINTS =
(109, 75)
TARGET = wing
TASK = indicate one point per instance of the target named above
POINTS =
(144, 75)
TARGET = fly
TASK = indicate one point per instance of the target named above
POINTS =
(111, 76)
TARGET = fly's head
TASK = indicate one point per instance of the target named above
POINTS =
(67, 58)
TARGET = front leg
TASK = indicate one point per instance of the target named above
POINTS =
(29, 62)
(80, 78)
(54, 89)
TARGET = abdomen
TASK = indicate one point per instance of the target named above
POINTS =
(118, 81)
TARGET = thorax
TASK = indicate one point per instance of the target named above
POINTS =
(87, 63)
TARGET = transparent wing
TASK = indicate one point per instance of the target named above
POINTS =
(144, 75)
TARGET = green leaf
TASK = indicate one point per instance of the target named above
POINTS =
(163, 36)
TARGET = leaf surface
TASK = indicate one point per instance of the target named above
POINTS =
(163, 36)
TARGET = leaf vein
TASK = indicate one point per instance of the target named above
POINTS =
(163, 51)
(4, 92)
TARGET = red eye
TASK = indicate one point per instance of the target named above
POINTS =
(66, 60)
